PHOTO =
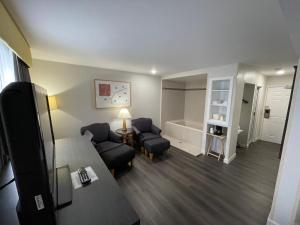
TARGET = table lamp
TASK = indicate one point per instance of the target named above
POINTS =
(52, 102)
(124, 114)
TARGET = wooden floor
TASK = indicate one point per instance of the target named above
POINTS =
(179, 189)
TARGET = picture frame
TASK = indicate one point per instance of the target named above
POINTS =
(112, 94)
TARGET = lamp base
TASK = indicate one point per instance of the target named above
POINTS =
(124, 126)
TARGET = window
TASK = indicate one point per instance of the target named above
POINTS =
(7, 71)
(7, 75)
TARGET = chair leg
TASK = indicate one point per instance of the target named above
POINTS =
(146, 152)
(151, 156)
(112, 172)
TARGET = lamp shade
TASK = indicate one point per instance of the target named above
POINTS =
(124, 114)
(52, 102)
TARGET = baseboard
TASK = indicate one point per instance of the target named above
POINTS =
(227, 161)
(272, 222)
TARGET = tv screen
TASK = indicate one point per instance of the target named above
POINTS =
(29, 136)
(44, 118)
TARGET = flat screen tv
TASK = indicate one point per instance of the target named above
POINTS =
(29, 135)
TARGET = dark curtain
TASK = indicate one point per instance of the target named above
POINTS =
(21, 70)
(22, 74)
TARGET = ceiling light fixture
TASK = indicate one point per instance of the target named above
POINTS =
(153, 71)
(280, 71)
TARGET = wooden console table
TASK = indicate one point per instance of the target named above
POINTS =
(101, 202)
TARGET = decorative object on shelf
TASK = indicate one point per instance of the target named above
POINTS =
(124, 114)
(218, 130)
(52, 102)
(109, 94)
(211, 130)
(216, 116)
(222, 117)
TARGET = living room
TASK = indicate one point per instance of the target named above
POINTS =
(184, 143)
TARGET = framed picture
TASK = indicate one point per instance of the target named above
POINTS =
(111, 94)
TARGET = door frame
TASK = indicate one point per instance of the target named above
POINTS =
(288, 113)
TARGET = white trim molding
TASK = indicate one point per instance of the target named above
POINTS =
(228, 160)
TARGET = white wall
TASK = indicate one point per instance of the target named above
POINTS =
(74, 87)
(246, 113)
(279, 80)
(287, 190)
(253, 77)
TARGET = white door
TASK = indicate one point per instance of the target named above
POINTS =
(277, 100)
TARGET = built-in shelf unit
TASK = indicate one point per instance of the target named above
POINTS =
(220, 90)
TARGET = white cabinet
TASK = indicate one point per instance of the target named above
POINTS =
(220, 90)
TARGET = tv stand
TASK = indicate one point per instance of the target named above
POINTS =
(64, 186)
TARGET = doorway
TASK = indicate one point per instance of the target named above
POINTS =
(276, 107)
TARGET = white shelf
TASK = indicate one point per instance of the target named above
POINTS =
(219, 105)
(217, 122)
(220, 90)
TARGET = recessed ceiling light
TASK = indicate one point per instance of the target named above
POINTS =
(280, 71)
(154, 71)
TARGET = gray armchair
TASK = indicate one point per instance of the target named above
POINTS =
(144, 130)
(109, 145)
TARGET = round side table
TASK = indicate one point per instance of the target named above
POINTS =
(126, 135)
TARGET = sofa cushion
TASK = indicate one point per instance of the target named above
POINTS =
(118, 156)
(106, 145)
(157, 146)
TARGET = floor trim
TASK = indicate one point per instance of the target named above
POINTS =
(227, 161)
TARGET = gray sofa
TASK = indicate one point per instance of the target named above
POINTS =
(148, 138)
(109, 145)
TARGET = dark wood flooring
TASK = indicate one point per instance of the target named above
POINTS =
(182, 189)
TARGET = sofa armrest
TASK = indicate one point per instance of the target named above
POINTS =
(115, 137)
(155, 130)
(135, 130)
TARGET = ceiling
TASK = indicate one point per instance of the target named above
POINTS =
(169, 35)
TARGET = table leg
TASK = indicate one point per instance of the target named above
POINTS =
(209, 145)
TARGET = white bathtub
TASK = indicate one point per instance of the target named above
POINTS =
(185, 135)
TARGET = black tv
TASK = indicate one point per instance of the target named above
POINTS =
(29, 135)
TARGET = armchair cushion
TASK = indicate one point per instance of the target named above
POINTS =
(142, 124)
(100, 131)
(155, 130)
(115, 137)
(147, 136)
(119, 156)
(106, 146)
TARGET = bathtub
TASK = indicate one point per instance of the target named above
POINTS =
(185, 135)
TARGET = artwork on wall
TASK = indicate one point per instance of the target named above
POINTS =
(112, 94)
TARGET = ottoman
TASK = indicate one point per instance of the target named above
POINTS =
(117, 156)
(156, 146)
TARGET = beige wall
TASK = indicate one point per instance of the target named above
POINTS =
(172, 105)
(195, 101)
(74, 88)
(13, 37)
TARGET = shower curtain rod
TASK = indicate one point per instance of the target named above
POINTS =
(185, 89)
